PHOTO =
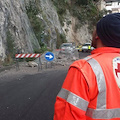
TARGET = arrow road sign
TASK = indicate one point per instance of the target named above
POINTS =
(49, 56)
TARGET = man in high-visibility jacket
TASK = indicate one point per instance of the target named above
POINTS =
(91, 90)
(89, 48)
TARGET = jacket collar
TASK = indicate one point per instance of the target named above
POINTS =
(106, 50)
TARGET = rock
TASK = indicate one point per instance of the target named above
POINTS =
(32, 64)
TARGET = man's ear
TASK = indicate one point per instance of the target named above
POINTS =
(94, 35)
(96, 38)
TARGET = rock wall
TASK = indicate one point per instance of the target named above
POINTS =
(13, 18)
(51, 20)
(80, 35)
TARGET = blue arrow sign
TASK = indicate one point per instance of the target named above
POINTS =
(49, 56)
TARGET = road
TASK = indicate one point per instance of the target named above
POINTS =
(31, 97)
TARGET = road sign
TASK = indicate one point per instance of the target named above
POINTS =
(49, 56)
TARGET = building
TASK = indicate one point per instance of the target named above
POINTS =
(112, 6)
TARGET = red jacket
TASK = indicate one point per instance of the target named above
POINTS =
(91, 90)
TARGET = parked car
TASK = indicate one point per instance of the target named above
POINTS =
(67, 47)
(87, 47)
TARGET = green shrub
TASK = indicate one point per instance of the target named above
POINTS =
(37, 24)
(10, 44)
(61, 38)
(10, 51)
(61, 7)
(42, 50)
(83, 10)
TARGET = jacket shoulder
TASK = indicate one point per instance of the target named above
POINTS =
(83, 62)
(80, 63)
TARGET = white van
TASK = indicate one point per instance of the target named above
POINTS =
(85, 47)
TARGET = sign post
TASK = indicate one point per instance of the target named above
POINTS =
(39, 65)
(17, 64)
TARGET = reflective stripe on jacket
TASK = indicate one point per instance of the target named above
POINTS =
(90, 91)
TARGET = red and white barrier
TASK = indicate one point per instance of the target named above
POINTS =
(27, 55)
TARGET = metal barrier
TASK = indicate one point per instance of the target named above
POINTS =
(17, 56)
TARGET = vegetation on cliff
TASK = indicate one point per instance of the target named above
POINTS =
(39, 26)
(86, 11)
(10, 50)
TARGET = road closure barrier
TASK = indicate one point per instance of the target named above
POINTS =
(27, 55)
(33, 55)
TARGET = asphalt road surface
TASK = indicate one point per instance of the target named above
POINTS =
(31, 97)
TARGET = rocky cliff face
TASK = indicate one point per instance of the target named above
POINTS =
(13, 18)
(15, 25)
(51, 21)
(79, 36)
